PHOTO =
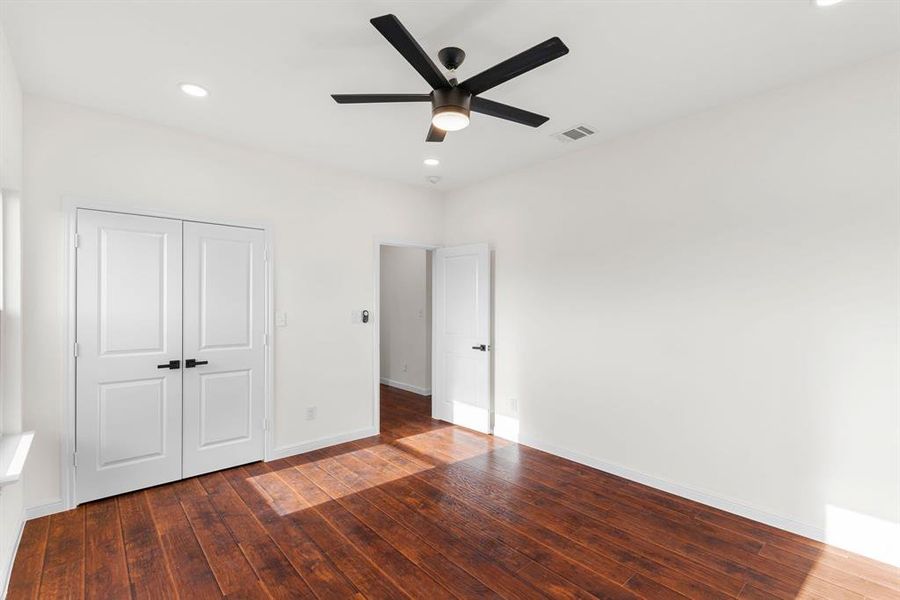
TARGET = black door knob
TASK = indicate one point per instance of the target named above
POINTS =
(193, 362)
(482, 347)
(172, 364)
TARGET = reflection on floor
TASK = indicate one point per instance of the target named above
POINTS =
(425, 510)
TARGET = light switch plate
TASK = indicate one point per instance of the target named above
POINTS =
(280, 319)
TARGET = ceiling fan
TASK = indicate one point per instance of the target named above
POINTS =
(451, 101)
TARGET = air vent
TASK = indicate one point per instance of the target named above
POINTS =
(576, 133)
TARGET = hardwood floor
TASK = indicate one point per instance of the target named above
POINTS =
(425, 510)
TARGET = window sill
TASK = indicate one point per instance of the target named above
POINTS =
(13, 452)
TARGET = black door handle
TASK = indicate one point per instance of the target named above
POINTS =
(172, 364)
(193, 362)
(482, 347)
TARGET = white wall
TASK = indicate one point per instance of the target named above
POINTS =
(10, 120)
(405, 319)
(325, 222)
(10, 322)
(712, 304)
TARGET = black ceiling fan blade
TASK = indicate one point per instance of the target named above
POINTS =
(371, 98)
(505, 111)
(393, 30)
(515, 66)
(435, 134)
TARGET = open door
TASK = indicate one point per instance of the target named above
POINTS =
(462, 336)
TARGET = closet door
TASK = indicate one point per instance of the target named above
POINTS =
(128, 393)
(224, 325)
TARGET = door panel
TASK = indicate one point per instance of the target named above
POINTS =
(128, 297)
(225, 407)
(462, 326)
(132, 265)
(224, 325)
(226, 273)
(123, 403)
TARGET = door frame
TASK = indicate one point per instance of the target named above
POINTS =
(376, 321)
(71, 205)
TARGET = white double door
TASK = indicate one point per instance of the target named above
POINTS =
(170, 367)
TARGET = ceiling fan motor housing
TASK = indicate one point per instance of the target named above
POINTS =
(451, 57)
(452, 99)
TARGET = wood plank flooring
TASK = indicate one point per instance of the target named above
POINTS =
(425, 510)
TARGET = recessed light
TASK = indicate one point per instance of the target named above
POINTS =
(431, 162)
(192, 89)
(824, 3)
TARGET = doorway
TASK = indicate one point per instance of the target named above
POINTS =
(405, 325)
(458, 303)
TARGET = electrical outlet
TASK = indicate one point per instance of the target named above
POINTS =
(514, 405)
(310, 413)
(405, 367)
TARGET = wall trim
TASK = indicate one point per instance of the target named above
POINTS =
(406, 386)
(7, 575)
(49, 508)
(721, 502)
(506, 427)
(42, 510)
(880, 546)
(350, 436)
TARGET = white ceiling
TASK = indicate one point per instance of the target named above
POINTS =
(271, 66)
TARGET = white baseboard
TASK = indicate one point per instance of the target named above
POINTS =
(285, 451)
(506, 427)
(720, 502)
(406, 386)
(860, 534)
(42, 510)
(7, 575)
(56, 506)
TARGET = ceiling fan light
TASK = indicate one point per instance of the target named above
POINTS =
(449, 118)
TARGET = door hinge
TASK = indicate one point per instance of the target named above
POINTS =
(77, 239)
(75, 459)
(265, 339)
(75, 350)
(266, 254)
(265, 424)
